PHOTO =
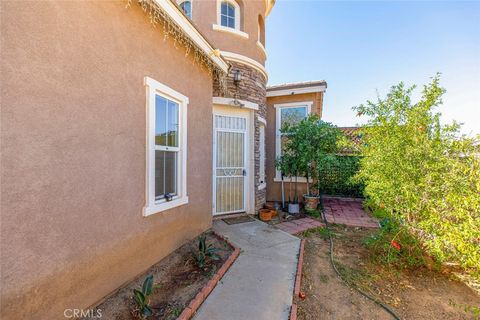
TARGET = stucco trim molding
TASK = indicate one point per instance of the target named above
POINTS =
(185, 24)
(236, 32)
(262, 48)
(286, 92)
(222, 101)
(262, 120)
(245, 60)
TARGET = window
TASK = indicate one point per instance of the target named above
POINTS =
(229, 18)
(166, 148)
(261, 30)
(288, 113)
(187, 8)
(227, 15)
(262, 178)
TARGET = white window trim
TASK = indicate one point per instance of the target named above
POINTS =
(238, 13)
(278, 107)
(262, 120)
(152, 206)
(234, 103)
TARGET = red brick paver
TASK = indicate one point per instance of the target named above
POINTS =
(347, 211)
(298, 280)
(299, 225)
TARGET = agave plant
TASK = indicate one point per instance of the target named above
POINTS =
(205, 251)
(142, 297)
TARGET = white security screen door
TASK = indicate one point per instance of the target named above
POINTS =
(229, 164)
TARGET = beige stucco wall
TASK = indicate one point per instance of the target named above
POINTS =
(73, 152)
(274, 191)
(204, 15)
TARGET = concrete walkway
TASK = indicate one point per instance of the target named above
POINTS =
(259, 285)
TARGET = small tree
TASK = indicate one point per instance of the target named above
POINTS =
(313, 143)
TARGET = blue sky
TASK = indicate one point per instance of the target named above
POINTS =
(360, 47)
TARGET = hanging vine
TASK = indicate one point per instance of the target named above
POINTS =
(171, 30)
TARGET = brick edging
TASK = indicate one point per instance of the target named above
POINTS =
(193, 306)
(298, 281)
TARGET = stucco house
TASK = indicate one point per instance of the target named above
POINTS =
(126, 128)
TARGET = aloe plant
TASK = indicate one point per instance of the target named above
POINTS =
(142, 297)
(205, 251)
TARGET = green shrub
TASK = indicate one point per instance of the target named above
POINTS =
(337, 177)
(423, 174)
(394, 245)
(311, 145)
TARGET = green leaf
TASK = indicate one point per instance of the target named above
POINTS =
(147, 285)
(147, 311)
(139, 298)
(215, 257)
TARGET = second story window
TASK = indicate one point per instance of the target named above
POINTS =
(230, 18)
(187, 8)
(227, 15)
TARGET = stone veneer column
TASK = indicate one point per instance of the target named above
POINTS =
(253, 88)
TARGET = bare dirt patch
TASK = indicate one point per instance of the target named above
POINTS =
(178, 279)
(412, 294)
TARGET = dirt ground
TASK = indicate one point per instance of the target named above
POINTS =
(178, 280)
(412, 294)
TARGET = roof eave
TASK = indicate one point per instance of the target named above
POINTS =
(186, 25)
(276, 92)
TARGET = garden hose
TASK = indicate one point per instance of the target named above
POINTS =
(384, 306)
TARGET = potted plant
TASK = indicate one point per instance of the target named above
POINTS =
(312, 197)
(287, 164)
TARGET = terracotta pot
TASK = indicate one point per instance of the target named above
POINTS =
(311, 202)
(265, 214)
(272, 206)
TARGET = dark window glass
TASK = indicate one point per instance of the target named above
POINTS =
(224, 8)
(160, 123)
(187, 8)
(166, 122)
(227, 15)
(165, 173)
